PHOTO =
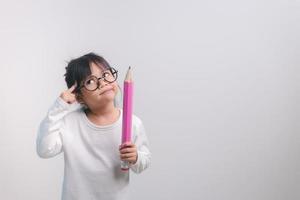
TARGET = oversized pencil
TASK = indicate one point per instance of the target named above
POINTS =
(127, 113)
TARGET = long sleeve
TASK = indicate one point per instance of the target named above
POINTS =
(144, 154)
(49, 141)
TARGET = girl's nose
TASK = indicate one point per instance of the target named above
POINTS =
(102, 83)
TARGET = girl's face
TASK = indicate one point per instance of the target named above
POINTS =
(103, 95)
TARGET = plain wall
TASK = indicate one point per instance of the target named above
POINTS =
(216, 85)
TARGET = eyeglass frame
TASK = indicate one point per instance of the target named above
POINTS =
(98, 79)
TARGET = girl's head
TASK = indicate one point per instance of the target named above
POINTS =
(95, 78)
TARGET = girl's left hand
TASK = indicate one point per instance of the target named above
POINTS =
(128, 152)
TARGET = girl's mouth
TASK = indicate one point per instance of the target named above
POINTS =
(106, 90)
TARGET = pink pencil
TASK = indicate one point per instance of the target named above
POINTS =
(127, 113)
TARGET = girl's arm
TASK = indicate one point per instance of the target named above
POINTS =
(49, 140)
(142, 145)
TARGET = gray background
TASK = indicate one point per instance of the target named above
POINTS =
(217, 87)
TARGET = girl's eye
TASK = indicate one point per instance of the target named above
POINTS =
(91, 81)
(106, 74)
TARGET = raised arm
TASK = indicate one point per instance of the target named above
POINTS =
(49, 141)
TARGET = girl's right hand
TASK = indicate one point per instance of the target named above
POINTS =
(68, 95)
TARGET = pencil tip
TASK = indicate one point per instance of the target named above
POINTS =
(128, 74)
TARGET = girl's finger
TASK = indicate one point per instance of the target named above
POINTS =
(72, 100)
(127, 155)
(125, 145)
(71, 89)
(127, 150)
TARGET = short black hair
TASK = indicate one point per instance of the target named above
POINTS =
(78, 69)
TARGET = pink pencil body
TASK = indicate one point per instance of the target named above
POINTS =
(127, 114)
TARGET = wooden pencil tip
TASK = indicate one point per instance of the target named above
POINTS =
(128, 75)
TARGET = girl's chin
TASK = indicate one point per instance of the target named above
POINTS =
(107, 92)
(107, 95)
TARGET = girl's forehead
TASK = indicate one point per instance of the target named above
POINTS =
(96, 68)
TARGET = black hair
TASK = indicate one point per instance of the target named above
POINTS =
(78, 69)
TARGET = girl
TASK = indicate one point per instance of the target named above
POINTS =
(86, 125)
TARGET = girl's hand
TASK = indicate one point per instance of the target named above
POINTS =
(68, 95)
(128, 152)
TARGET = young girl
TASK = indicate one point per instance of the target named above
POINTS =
(85, 124)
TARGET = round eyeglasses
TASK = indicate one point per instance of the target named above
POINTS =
(92, 82)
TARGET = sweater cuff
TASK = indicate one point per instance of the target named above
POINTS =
(135, 165)
(66, 106)
(62, 103)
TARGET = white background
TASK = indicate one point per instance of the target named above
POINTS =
(216, 85)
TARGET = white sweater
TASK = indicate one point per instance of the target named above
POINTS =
(91, 152)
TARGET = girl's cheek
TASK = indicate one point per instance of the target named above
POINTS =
(115, 88)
